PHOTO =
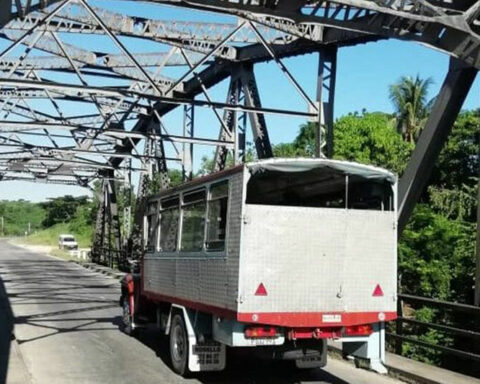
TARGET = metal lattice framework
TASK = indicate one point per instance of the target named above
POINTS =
(79, 101)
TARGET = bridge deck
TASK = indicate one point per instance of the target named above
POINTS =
(66, 328)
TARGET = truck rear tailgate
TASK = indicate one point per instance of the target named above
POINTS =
(317, 266)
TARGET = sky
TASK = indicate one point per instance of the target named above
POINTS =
(364, 74)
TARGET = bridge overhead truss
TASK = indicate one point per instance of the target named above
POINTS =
(86, 90)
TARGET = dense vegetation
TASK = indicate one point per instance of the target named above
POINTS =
(17, 215)
(45, 221)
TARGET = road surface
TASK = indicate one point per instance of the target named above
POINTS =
(67, 328)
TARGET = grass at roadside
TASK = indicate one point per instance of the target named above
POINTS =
(50, 236)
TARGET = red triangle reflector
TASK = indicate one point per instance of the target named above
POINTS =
(378, 291)
(261, 291)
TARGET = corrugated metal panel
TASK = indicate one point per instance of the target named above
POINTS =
(234, 238)
(206, 279)
(187, 279)
(160, 275)
(317, 260)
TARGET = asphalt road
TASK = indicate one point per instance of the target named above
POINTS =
(67, 328)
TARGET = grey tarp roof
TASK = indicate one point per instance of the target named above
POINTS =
(307, 164)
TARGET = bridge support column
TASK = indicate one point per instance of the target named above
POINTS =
(242, 89)
(228, 131)
(370, 352)
(257, 119)
(187, 149)
(156, 165)
(327, 75)
(107, 228)
(5, 15)
(455, 88)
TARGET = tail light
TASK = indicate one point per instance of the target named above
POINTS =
(358, 330)
(260, 332)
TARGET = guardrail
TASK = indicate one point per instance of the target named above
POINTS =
(406, 327)
(109, 257)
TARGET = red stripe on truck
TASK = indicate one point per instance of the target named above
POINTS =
(283, 319)
(315, 319)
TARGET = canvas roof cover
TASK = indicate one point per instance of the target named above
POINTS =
(306, 164)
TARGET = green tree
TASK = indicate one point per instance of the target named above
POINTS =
(62, 209)
(409, 97)
(289, 150)
(304, 143)
(437, 256)
(459, 163)
(367, 138)
(19, 215)
(370, 138)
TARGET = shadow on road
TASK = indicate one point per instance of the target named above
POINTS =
(77, 303)
(46, 283)
(6, 332)
(242, 368)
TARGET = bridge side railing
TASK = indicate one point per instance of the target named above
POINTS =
(109, 257)
(465, 340)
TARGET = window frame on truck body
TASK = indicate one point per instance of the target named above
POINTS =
(342, 186)
(205, 183)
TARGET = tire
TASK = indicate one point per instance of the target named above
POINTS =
(179, 345)
(127, 319)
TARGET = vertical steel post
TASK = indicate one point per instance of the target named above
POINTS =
(454, 90)
(156, 163)
(327, 75)
(399, 328)
(114, 223)
(188, 131)
(257, 119)
(98, 236)
(241, 132)
(127, 209)
(6, 14)
(230, 122)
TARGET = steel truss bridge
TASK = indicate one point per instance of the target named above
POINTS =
(73, 112)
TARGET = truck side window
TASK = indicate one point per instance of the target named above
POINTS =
(169, 224)
(193, 221)
(152, 226)
(217, 217)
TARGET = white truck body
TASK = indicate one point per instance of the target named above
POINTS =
(283, 264)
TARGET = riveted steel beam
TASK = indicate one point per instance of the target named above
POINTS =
(448, 104)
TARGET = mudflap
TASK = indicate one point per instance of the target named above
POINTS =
(207, 356)
(203, 355)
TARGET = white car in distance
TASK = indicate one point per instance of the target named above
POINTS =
(67, 242)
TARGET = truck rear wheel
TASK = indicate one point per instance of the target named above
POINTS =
(179, 345)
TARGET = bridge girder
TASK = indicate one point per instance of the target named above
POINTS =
(112, 89)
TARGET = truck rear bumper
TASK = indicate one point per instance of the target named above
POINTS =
(315, 319)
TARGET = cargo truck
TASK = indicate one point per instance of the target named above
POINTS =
(276, 256)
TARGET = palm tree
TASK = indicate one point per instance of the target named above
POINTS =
(409, 97)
